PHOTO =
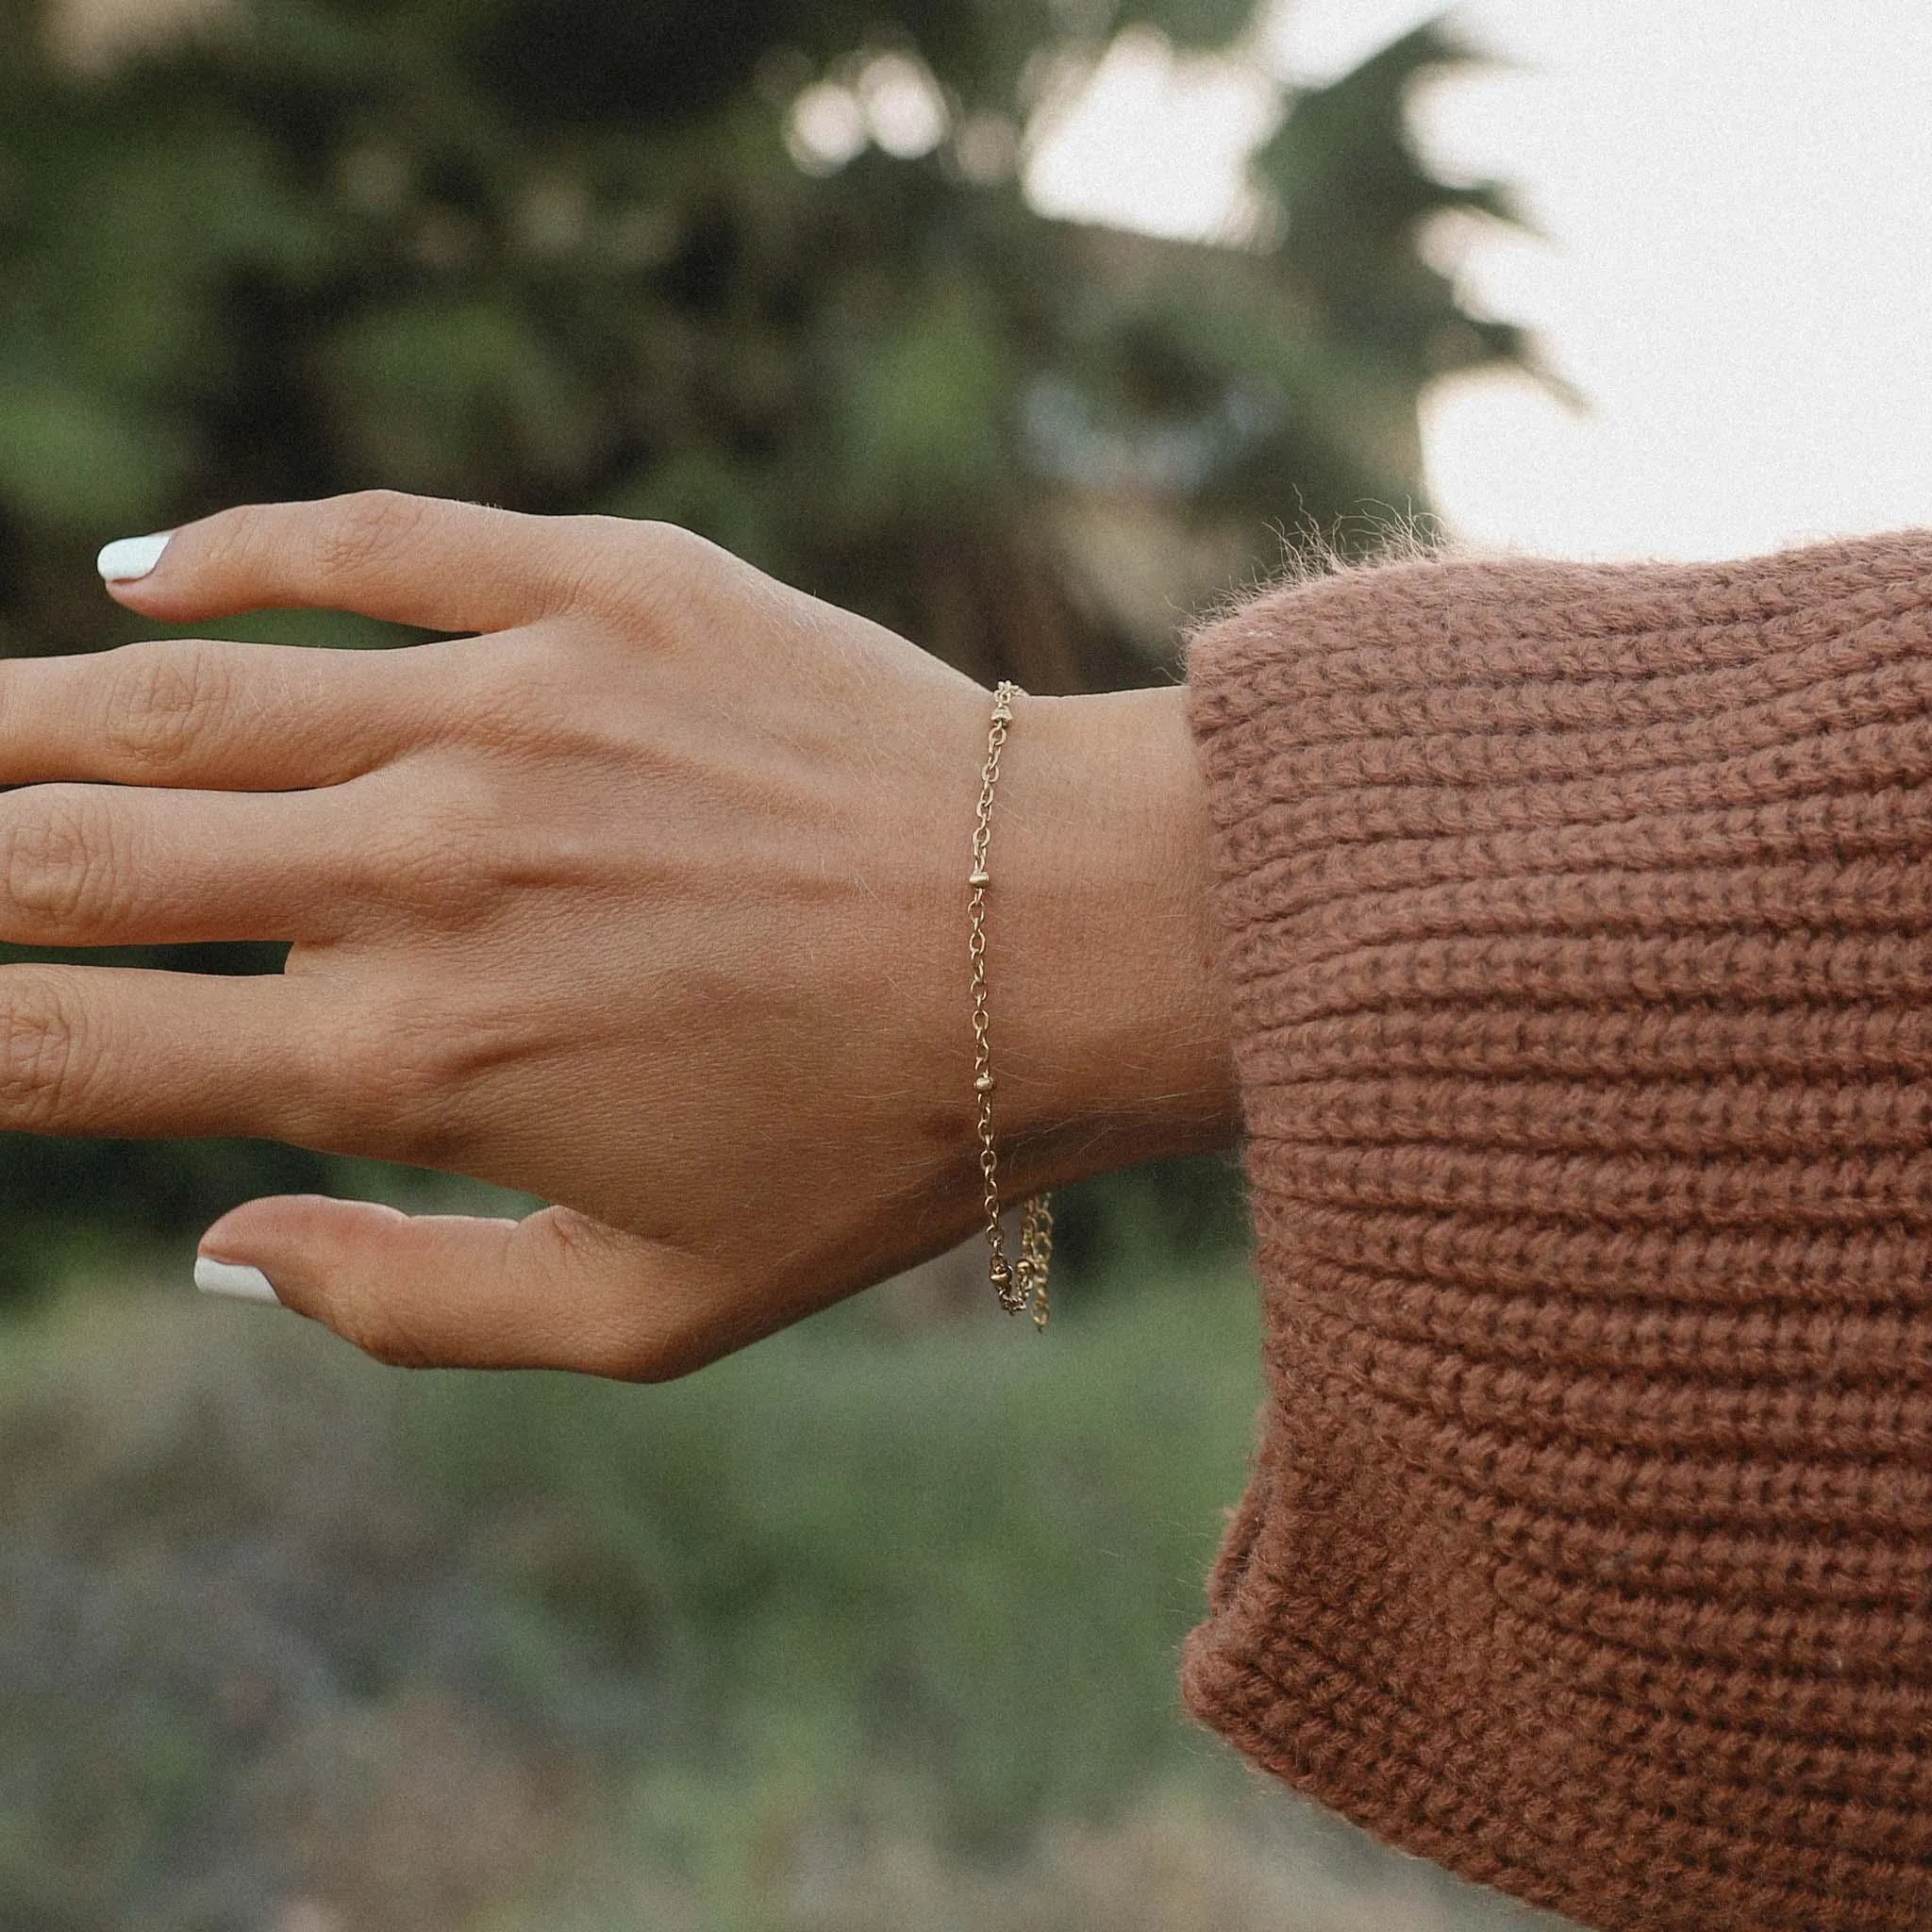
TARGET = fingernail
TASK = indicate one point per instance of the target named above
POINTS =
(238, 1283)
(121, 562)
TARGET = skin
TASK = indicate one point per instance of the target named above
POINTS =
(646, 897)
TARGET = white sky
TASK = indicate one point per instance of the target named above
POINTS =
(1736, 197)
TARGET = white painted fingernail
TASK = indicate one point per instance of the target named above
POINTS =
(121, 562)
(238, 1283)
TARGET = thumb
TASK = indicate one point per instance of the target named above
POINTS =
(555, 1291)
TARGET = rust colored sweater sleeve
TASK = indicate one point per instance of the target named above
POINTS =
(1578, 923)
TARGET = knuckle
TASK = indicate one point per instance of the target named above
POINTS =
(619, 1331)
(405, 1081)
(232, 539)
(166, 698)
(658, 544)
(424, 866)
(423, 1071)
(58, 859)
(40, 1052)
(363, 1317)
(513, 687)
(366, 528)
(430, 877)
(633, 567)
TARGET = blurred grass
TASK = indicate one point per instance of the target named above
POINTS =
(862, 1629)
(977, 1550)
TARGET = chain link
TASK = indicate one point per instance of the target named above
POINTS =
(1020, 1283)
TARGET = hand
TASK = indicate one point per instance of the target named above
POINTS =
(649, 899)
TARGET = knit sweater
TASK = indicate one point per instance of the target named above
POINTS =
(1577, 923)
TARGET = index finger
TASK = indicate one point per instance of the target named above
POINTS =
(404, 560)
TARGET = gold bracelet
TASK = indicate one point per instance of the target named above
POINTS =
(1023, 1281)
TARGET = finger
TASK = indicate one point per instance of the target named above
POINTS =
(408, 559)
(199, 711)
(96, 1050)
(106, 865)
(555, 1290)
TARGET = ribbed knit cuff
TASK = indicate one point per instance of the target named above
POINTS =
(1578, 925)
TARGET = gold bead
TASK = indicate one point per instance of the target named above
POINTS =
(980, 879)
(984, 1083)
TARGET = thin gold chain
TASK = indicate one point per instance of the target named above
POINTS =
(1021, 1282)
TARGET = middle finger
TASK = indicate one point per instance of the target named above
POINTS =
(209, 712)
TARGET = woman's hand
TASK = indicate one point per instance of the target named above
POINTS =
(649, 899)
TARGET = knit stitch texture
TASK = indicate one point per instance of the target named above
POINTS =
(1577, 921)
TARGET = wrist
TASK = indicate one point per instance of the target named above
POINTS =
(1110, 1019)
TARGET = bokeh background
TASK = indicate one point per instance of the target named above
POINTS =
(1027, 326)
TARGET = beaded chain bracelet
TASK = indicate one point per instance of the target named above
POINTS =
(1021, 1282)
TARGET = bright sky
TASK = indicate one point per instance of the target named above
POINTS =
(1737, 202)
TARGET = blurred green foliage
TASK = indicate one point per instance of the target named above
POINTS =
(279, 1626)
(576, 255)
